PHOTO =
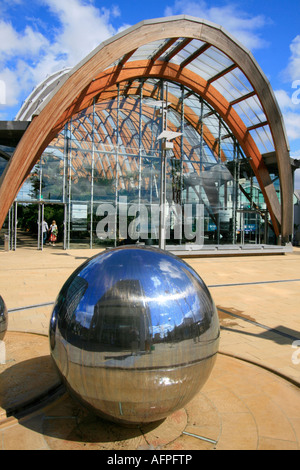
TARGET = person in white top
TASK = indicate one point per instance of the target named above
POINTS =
(45, 230)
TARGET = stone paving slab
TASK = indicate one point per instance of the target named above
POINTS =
(243, 405)
(226, 414)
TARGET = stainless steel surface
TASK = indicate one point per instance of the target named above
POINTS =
(3, 319)
(134, 333)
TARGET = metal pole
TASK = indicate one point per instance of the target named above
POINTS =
(162, 219)
(40, 221)
(117, 166)
(9, 229)
(219, 183)
(69, 183)
(266, 227)
(92, 176)
(12, 226)
(140, 151)
(234, 195)
(162, 225)
(39, 226)
(15, 225)
(201, 145)
(43, 217)
(181, 159)
(65, 186)
(243, 227)
(238, 195)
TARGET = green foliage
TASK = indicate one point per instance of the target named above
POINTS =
(28, 217)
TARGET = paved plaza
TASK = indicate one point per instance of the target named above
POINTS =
(251, 400)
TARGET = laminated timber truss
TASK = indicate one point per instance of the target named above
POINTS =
(205, 61)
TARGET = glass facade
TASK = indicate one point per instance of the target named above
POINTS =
(109, 171)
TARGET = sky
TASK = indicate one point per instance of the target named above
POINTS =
(40, 37)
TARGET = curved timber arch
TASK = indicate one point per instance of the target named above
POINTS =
(97, 73)
(201, 87)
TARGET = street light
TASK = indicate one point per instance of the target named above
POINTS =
(167, 137)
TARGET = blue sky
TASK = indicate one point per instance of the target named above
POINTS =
(42, 36)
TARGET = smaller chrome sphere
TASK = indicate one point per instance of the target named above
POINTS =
(3, 319)
(134, 334)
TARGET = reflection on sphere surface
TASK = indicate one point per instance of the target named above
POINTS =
(134, 334)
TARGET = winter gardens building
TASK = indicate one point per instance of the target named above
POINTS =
(164, 132)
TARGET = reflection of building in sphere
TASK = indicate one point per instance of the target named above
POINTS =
(134, 334)
(66, 304)
(121, 318)
(3, 319)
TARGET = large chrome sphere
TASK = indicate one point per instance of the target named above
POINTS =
(134, 334)
(3, 319)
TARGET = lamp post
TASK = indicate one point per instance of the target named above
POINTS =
(166, 137)
(167, 144)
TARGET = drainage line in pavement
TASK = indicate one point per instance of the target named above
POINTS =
(18, 309)
(260, 325)
(252, 283)
(200, 437)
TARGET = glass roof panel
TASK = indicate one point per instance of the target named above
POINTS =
(263, 139)
(171, 49)
(148, 50)
(184, 53)
(233, 85)
(208, 144)
(250, 111)
(210, 63)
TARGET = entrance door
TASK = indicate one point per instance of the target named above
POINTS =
(252, 226)
(50, 213)
(25, 224)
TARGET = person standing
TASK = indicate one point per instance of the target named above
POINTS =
(53, 232)
(45, 230)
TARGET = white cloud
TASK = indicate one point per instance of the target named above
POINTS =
(292, 72)
(82, 27)
(27, 57)
(291, 113)
(289, 102)
(237, 22)
(292, 123)
(284, 99)
(29, 43)
(9, 80)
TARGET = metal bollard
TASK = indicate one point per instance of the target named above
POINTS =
(6, 242)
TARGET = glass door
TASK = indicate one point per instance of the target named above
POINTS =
(252, 226)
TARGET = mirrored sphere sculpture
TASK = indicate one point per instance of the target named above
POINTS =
(3, 319)
(134, 334)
